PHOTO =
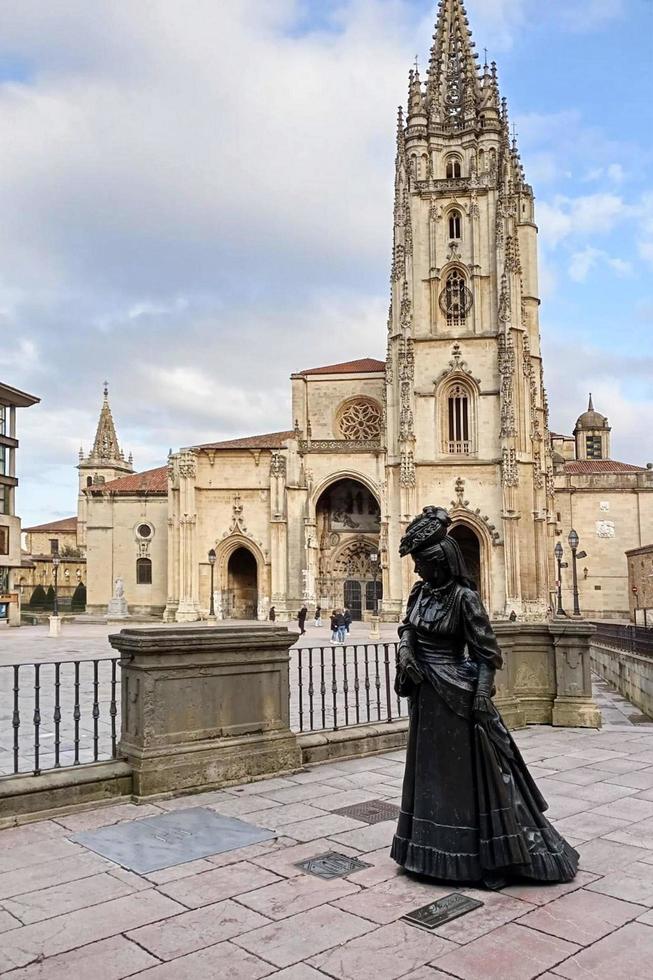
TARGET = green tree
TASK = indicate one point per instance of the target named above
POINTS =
(38, 599)
(78, 601)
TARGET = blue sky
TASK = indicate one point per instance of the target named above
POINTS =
(197, 197)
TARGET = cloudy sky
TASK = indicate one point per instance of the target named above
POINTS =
(196, 198)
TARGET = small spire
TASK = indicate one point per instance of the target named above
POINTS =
(106, 391)
(590, 407)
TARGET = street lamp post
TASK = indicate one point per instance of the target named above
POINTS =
(576, 555)
(561, 564)
(212, 559)
(55, 566)
(374, 633)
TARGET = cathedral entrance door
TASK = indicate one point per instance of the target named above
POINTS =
(471, 550)
(354, 599)
(241, 601)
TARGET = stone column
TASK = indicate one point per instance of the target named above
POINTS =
(205, 707)
(573, 706)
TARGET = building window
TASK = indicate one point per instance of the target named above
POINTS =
(4, 420)
(4, 459)
(458, 419)
(89, 481)
(144, 531)
(455, 224)
(360, 419)
(5, 500)
(456, 299)
(54, 546)
(4, 540)
(143, 571)
(454, 170)
(373, 595)
(593, 447)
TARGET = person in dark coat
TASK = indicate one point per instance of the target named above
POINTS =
(318, 616)
(470, 811)
(301, 619)
(341, 626)
(347, 617)
(272, 615)
(334, 626)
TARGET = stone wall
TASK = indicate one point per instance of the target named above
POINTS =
(628, 673)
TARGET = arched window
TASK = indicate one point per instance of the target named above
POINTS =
(458, 419)
(89, 481)
(455, 225)
(456, 299)
(143, 571)
(454, 169)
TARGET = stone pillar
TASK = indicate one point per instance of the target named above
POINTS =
(573, 706)
(205, 707)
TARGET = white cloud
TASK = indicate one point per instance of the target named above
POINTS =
(587, 15)
(578, 216)
(586, 260)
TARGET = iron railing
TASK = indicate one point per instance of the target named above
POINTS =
(58, 714)
(629, 638)
(338, 686)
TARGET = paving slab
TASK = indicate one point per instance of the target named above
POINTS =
(221, 960)
(512, 952)
(108, 959)
(582, 917)
(383, 954)
(302, 936)
(221, 883)
(47, 903)
(628, 952)
(633, 883)
(195, 930)
(66, 932)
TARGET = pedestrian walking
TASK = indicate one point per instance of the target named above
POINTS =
(334, 626)
(347, 617)
(301, 619)
(341, 627)
(272, 615)
(318, 615)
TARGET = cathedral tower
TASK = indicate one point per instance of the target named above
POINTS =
(466, 407)
(106, 461)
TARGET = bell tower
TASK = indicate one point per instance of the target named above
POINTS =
(106, 461)
(466, 409)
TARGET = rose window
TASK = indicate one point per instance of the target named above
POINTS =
(361, 420)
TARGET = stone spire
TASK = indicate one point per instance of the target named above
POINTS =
(454, 86)
(590, 407)
(106, 451)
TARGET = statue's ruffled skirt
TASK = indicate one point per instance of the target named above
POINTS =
(470, 809)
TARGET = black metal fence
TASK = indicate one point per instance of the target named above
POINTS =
(337, 686)
(631, 639)
(54, 715)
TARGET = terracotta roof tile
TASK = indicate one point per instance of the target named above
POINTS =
(366, 365)
(150, 481)
(67, 524)
(270, 440)
(589, 466)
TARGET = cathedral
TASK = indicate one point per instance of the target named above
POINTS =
(455, 415)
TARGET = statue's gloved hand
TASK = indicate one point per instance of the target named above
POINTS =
(407, 661)
(483, 707)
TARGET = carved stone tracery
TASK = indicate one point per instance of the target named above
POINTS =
(361, 419)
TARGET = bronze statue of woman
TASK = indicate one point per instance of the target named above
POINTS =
(470, 810)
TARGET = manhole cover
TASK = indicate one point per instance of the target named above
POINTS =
(374, 811)
(332, 865)
(444, 910)
(172, 838)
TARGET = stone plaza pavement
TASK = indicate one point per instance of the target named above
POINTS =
(66, 912)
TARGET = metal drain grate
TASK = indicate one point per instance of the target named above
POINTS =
(331, 865)
(444, 910)
(374, 811)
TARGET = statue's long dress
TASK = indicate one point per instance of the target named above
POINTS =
(470, 808)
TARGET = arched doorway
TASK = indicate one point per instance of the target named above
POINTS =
(348, 526)
(470, 547)
(241, 600)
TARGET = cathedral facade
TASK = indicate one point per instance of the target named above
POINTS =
(456, 415)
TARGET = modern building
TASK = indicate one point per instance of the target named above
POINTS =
(10, 535)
